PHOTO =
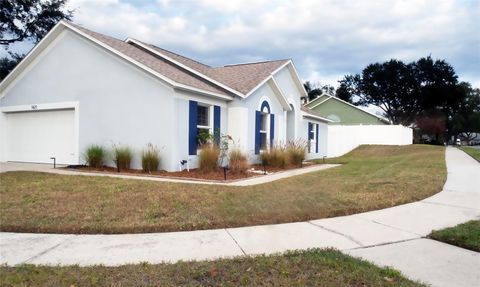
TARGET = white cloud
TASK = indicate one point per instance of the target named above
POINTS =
(326, 39)
(231, 6)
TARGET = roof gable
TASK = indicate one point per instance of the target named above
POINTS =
(154, 62)
(178, 71)
(324, 99)
(242, 78)
(151, 63)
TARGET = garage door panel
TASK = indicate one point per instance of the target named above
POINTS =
(38, 136)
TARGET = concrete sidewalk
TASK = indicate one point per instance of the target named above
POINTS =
(375, 235)
(38, 167)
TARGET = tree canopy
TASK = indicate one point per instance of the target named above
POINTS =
(316, 89)
(27, 20)
(424, 93)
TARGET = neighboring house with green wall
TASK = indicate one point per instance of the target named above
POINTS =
(343, 113)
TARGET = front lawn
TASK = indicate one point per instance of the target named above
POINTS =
(372, 177)
(466, 235)
(473, 152)
(300, 268)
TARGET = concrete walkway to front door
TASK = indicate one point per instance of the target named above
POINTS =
(393, 236)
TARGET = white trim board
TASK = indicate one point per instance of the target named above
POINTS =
(268, 78)
(310, 116)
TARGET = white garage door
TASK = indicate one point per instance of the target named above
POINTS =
(38, 136)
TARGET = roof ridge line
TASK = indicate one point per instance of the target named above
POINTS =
(175, 53)
(186, 67)
(251, 63)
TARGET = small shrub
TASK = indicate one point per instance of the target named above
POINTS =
(123, 156)
(296, 152)
(95, 156)
(265, 158)
(276, 156)
(208, 158)
(150, 158)
(238, 161)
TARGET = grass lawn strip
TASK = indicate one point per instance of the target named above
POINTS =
(371, 177)
(473, 152)
(300, 268)
(466, 235)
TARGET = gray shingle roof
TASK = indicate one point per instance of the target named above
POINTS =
(242, 77)
(154, 62)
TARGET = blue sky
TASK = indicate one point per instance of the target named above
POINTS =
(326, 39)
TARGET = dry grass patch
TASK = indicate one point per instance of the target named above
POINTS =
(372, 177)
(308, 268)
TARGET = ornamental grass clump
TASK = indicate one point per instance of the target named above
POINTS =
(208, 158)
(296, 152)
(150, 158)
(122, 155)
(237, 161)
(95, 156)
(276, 156)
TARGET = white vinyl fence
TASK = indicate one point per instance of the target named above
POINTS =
(342, 139)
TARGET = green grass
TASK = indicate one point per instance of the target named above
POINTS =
(300, 268)
(473, 152)
(466, 235)
(372, 177)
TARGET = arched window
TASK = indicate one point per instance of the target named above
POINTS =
(264, 127)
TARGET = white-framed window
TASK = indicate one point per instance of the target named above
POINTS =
(312, 138)
(204, 123)
(264, 131)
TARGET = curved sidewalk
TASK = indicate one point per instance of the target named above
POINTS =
(457, 203)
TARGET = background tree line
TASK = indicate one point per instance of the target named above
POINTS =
(424, 94)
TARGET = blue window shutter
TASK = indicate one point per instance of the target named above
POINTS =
(216, 124)
(192, 128)
(272, 128)
(258, 119)
(316, 140)
(309, 135)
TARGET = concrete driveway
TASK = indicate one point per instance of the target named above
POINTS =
(393, 237)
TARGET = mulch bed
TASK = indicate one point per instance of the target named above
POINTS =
(195, 174)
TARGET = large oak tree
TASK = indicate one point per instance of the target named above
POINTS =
(27, 20)
(425, 93)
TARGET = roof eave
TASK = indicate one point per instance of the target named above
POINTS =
(299, 83)
(58, 28)
(307, 115)
(314, 100)
(193, 71)
(267, 78)
(347, 103)
(281, 97)
(203, 92)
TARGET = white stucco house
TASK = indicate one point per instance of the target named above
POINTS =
(78, 87)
